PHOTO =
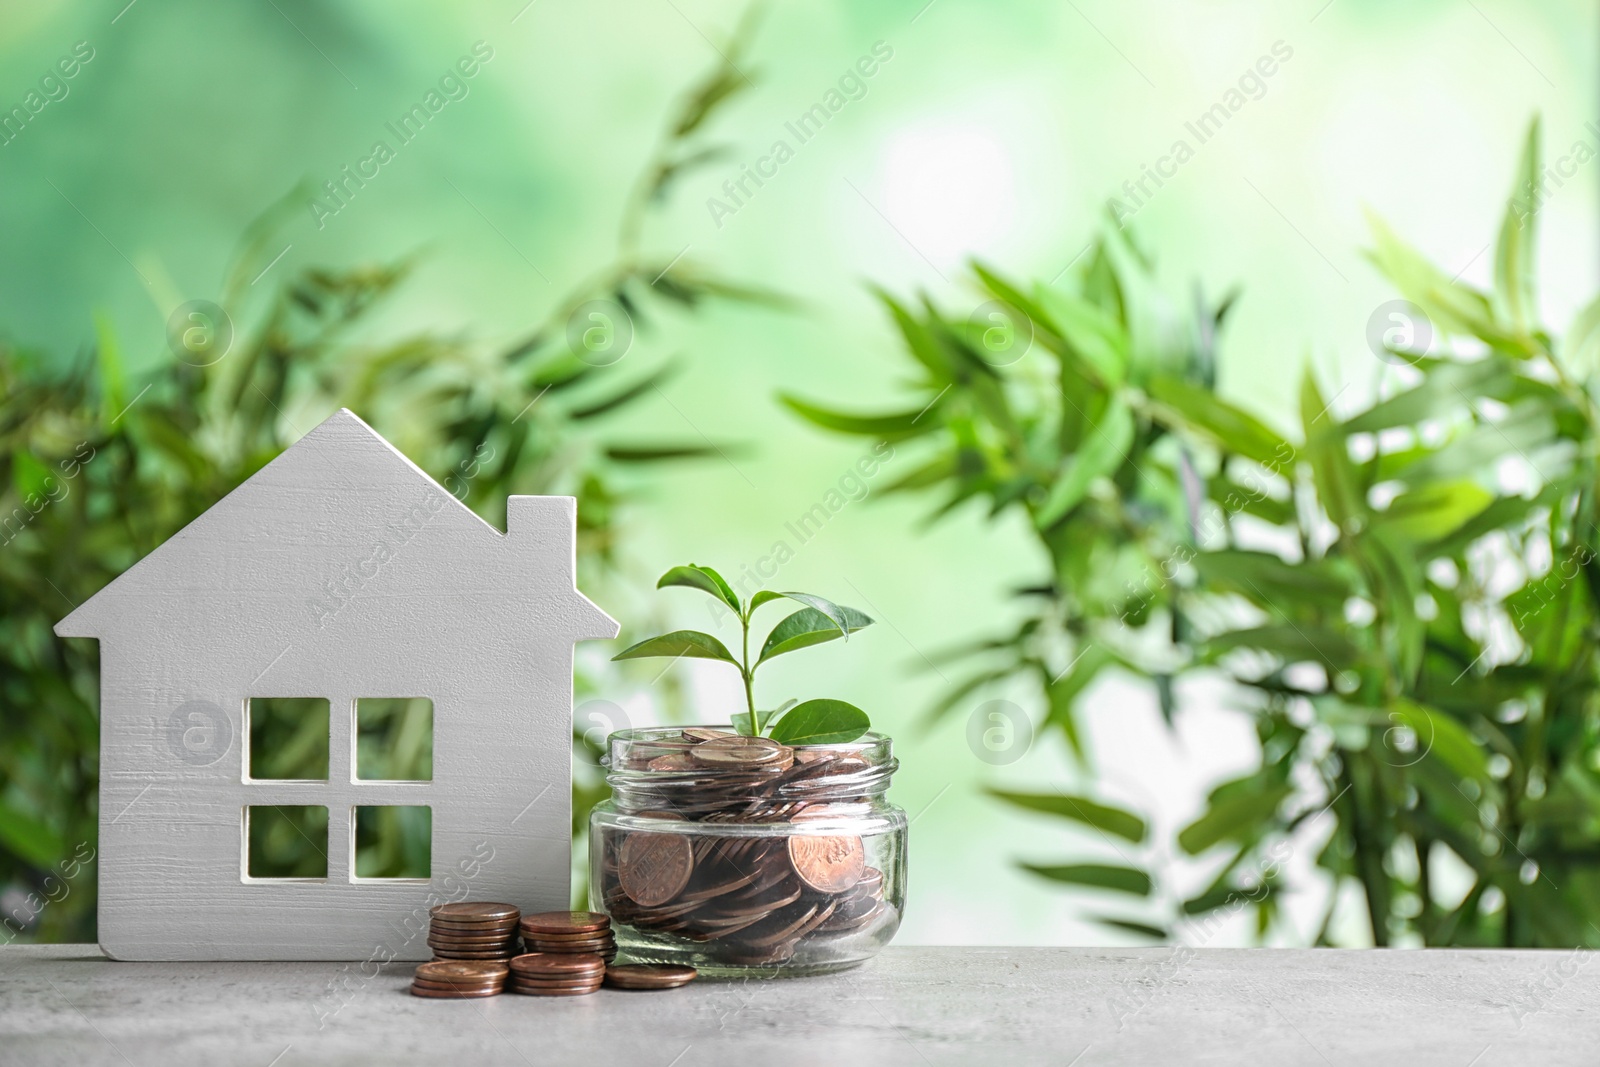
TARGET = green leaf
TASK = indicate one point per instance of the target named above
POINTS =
(1515, 256)
(1338, 484)
(1442, 737)
(1452, 307)
(1230, 428)
(1526, 427)
(1233, 816)
(808, 627)
(30, 476)
(1273, 583)
(1435, 510)
(1096, 876)
(1293, 642)
(821, 722)
(891, 427)
(1092, 340)
(691, 643)
(1581, 347)
(1124, 824)
(704, 579)
(1063, 691)
(1104, 451)
(657, 453)
(1155, 933)
(30, 839)
(834, 613)
(113, 375)
(625, 396)
(1443, 392)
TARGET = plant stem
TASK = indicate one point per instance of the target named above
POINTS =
(747, 672)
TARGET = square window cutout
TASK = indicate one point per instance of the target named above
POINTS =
(394, 842)
(288, 738)
(286, 841)
(394, 739)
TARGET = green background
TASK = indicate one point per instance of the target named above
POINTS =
(996, 129)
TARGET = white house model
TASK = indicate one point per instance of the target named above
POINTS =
(339, 571)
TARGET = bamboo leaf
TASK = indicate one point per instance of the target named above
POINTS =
(1118, 879)
(1233, 817)
(1104, 450)
(1231, 428)
(1516, 250)
(1112, 820)
(891, 427)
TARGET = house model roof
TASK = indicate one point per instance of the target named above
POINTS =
(341, 491)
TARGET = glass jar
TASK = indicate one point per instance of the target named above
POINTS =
(739, 855)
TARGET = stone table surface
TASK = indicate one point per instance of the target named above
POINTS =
(922, 1007)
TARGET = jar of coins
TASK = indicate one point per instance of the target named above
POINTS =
(738, 855)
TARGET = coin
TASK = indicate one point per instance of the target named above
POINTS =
(464, 969)
(735, 752)
(827, 864)
(554, 991)
(678, 761)
(560, 923)
(654, 867)
(452, 994)
(475, 911)
(698, 734)
(545, 963)
(536, 945)
(466, 987)
(649, 976)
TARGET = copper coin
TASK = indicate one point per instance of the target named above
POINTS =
(475, 911)
(468, 987)
(540, 964)
(442, 923)
(558, 947)
(558, 923)
(734, 753)
(559, 981)
(452, 994)
(503, 933)
(470, 946)
(649, 976)
(577, 935)
(827, 864)
(565, 991)
(569, 943)
(443, 972)
(483, 938)
(678, 761)
(653, 868)
(700, 734)
(871, 881)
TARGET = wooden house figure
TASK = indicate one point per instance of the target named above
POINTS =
(339, 572)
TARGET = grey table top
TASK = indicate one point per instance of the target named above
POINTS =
(916, 1006)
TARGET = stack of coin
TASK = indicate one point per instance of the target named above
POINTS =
(569, 932)
(459, 979)
(649, 976)
(751, 898)
(542, 974)
(473, 931)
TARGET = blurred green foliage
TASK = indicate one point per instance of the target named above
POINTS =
(394, 739)
(289, 737)
(1406, 599)
(99, 466)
